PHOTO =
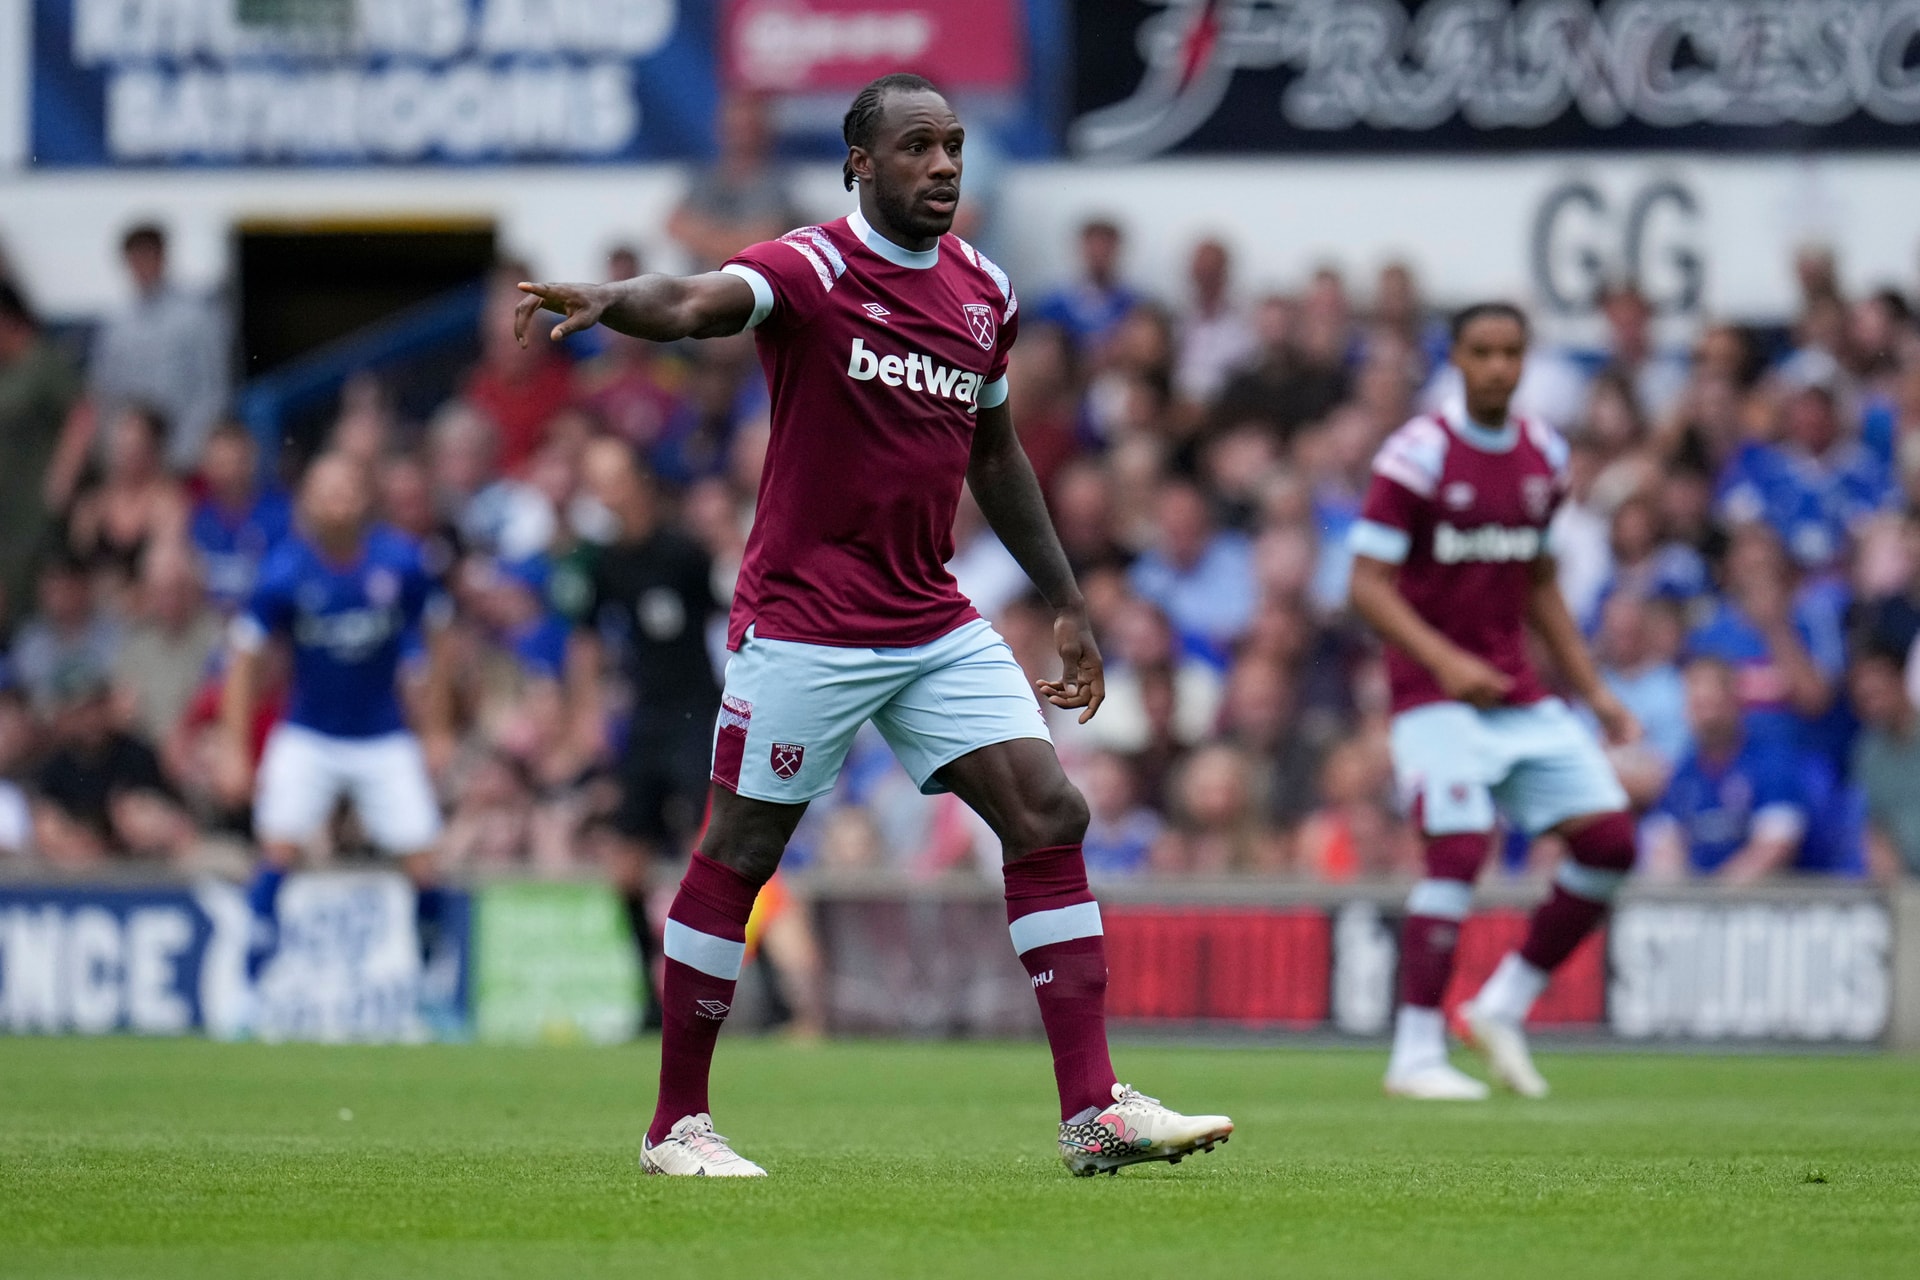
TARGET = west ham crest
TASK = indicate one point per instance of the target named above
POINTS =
(980, 321)
(1537, 492)
(786, 758)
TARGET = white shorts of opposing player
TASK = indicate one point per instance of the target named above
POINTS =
(791, 710)
(1537, 766)
(304, 773)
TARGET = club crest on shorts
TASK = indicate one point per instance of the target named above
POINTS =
(980, 321)
(785, 758)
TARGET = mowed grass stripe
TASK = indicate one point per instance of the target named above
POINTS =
(132, 1157)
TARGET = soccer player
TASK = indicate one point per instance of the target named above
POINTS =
(346, 594)
(650, 591)
(1451, 567)
(885, 343)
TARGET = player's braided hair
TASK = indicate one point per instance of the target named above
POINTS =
(863, 117)
(1468, 314)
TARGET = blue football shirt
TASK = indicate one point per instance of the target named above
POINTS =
(348, 624)
(1718, 805)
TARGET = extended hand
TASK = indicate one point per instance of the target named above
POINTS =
(1083, 680)
(581, 304)
(1468, 679)
(1615, 720)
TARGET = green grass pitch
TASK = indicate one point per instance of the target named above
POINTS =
(128, 1158)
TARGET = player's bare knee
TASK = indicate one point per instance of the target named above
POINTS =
(752, 853)
(1047, 818)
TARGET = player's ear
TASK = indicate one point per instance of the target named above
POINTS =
(858, 167)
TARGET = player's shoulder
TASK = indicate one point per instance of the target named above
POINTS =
(1415, 456)
(980, 264)
(388, 545)
(1546, 441)
(818, 247)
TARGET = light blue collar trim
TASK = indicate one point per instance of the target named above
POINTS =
(1484, 437)
(920, 260)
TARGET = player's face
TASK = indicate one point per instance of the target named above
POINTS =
(916, 164)
(334, 500)
(1489, 354)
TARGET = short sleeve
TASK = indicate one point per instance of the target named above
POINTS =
(425, 601)
(790, 277)
(269, 610)
(1388, 518)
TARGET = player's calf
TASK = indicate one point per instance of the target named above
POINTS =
(1601, 853)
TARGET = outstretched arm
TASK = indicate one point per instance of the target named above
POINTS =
(1009, 495)
(1550, 619)
(658, 308)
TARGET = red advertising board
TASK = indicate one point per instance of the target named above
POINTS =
(1232, 964)
(830, 46)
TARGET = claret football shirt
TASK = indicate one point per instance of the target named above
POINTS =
(877, 359)
(1463, 511)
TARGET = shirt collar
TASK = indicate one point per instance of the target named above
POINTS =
(919, 260)
(1483, 437)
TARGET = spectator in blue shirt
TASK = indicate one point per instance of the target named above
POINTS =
(1735, 809)
(1092, 307)
(1635, 649)
(1122, 832)
(238, 519)
(1786, 648)
(1201, 576)
(1644, 565)
(1813, 485)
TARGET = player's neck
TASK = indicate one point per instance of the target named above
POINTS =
(1489, 418)
(869, 223)
(340, 549)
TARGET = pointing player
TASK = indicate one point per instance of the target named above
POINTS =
(1451, 567)
(885, 344)
(345, 594)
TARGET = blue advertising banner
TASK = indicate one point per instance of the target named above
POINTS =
(334, 82)
(169, 960)
(95, 960)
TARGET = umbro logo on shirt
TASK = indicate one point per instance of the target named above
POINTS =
(918, 372)
(875, 310)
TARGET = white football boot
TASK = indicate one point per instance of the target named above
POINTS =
(694, 1150)
(1504, 1046)
(1134, 1129)
(1435, 1082)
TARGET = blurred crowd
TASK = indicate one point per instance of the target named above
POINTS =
(1742, 544)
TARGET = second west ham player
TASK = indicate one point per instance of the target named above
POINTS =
(1451, 567)
(885, 343)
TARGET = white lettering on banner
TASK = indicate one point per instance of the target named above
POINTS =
(1515, 65)
(95, 966)
(30, 946)
(405, 79)
(1490, 544)
(918, 372)
(1365, 954)
(156, 936)
(348, 964)
(90, 970)
(782, 46)
(394, 113)
(1751, 972)
(107, 31)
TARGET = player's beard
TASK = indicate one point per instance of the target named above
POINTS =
(903, 211)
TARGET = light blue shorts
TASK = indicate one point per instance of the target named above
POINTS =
(791, 710)
(1538, 765)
